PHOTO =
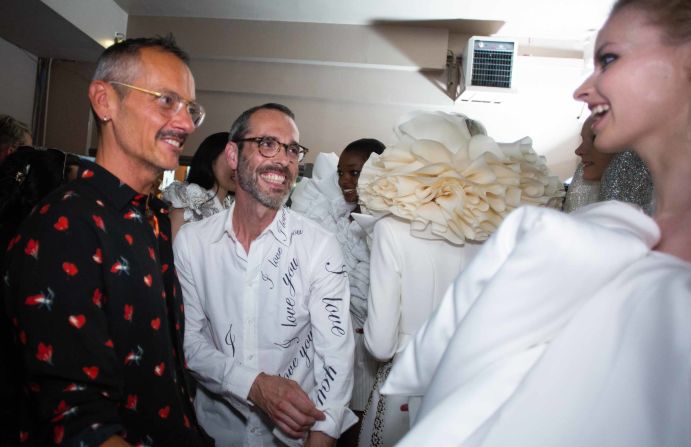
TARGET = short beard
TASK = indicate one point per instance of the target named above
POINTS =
(248, 181)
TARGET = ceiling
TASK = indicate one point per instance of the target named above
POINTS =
(561, 24)
(540, 19)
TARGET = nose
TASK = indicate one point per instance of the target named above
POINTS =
(183, 120)
(583, 92)
(580, 150)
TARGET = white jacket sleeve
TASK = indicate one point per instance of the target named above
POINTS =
(384, 304)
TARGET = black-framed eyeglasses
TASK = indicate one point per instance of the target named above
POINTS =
(269, 147)
(171, 103)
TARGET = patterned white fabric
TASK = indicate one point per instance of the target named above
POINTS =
(280, 308)
(197, 202)
(320, 198)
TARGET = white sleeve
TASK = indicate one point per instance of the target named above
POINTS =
(216, 371)
(329, 306)
(384, 303)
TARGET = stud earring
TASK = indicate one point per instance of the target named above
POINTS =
(105, 119)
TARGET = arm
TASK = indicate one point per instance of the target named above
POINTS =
(384, 304)
(329, 306)
(319, 439)
(286, 404)
(219, 373)
(177, 219)
(51, 281)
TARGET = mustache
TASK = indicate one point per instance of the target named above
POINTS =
(182, 136)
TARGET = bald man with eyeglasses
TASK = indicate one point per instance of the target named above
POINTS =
(267, 333)
(90, 284)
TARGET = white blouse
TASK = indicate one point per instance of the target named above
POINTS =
(197, 202)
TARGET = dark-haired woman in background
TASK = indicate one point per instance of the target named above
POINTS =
(208, 188)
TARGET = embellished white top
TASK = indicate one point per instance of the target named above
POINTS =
(197, 202)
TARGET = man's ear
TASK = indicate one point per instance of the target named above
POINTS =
(101, 99)
(232, 154)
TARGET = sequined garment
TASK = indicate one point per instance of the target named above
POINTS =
(581, 192)
(627, 179)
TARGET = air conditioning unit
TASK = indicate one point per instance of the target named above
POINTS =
(488, 67)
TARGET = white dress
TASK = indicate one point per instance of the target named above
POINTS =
(197, 202)
(567, 330)
(320, 198)
(408, 278)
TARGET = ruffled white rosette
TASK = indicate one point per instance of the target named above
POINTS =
(453, 185)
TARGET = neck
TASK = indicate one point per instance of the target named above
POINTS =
(221, 192)
(250, 218)
(122, 166)
(671, 172)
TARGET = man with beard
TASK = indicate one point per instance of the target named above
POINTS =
(89, 284)
(268, 333)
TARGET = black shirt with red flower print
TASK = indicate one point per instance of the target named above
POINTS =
(91, 291)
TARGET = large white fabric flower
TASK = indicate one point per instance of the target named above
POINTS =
(453, 185)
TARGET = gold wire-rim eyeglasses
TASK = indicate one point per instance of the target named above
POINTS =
(171, 102)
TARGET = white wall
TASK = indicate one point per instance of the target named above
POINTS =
(351, 81)
(18, 81)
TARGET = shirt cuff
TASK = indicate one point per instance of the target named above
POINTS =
(240, 381)
(337, 421)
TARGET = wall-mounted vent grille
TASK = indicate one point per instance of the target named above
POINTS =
(488, 68)
(492, 63)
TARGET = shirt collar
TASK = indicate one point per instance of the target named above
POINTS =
(278, 228)
(118, 193)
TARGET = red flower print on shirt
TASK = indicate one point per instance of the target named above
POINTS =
(156, 323)
(43, 299)
(44, 209)
(133, 215)
(131, 402)
(31, 248)
(152, 253)
(91, 372)
(148, 280)
(129, 310)
(164, 412)
(74, 387)
(164, 268)
(98, 220)
(129, 239)
(160, 369)
(45, 353)
(70, 268)
(87, 173)
(13, 242)
(98, 256)
(97, 297)
(58, 434)
(77, 321)
(109, 343)
(134, 356)
(62, 224)
(121, 266)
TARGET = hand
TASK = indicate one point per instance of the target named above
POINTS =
(319, 439)
(285, 403)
